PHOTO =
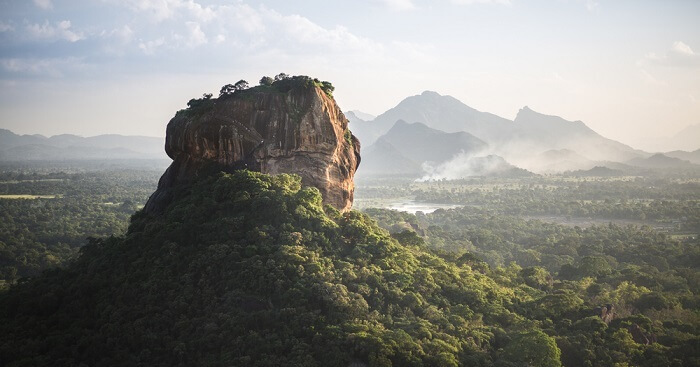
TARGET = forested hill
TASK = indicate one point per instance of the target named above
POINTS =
(250, 269)
(246, 269)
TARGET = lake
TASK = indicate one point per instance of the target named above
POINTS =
(412, 206)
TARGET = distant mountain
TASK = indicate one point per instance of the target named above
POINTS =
(520, 141)
(420, 143)
(660, 161)
(406, 146)
(439, 112)
(554, 132)
(686, 139)
(38, 152)
(693, 157)
(15, 147)
(361, 115)
(598, 171)
(383, 159)
(8, 139)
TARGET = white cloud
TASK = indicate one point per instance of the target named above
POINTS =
(149, 47)
(44, 4)
(196, 35)
(116, 40)
(258, 35)
(161, 10)
(122, 34)
(399, 4)
(59, 31)
(201, 13)
(250, 28)
(682, 48)
(242, 16)
(158, 9)
(679, 55)
(295, 29)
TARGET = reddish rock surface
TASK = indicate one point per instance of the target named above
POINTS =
(302, 131)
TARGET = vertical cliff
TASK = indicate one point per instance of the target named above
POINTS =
(290, 127)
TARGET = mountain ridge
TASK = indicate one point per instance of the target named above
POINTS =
(69, 146)
(407, 146)
(519, 141)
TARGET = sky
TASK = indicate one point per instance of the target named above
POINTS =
(629, 69)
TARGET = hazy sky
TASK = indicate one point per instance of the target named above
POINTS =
(629, 69)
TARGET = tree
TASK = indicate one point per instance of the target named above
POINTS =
(534, 348)
(226, 90)
(653, 300)
(266, 80)
(592, 266)
(281, 76)
(328, 88)
(240, 85)
(537, 277)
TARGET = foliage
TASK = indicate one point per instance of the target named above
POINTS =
(240, 85)
(282, 83)
(37, 234)
(226, 90)
(250, 269)
(266, 81)
(609, 293)
(533, 348)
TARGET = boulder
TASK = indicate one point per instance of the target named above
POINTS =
(300, 130)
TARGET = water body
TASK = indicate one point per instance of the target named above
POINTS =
(412, 206)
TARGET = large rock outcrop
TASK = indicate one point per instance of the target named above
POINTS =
(301, 130)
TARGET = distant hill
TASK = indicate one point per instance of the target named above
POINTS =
(692, 157)
(686, 139)
(14, 147)
(660, 161)
(360, 115)
(520, 141)
(420, 143)
(554, 132)
(405, 147)
(383, 159)
(439, 112)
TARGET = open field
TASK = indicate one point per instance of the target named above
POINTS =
(30, 197)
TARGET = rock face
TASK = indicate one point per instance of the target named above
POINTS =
(299, 131)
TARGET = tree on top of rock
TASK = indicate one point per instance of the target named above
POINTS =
(229, 89)
(266, 80)
(226, 90)
(241, 85)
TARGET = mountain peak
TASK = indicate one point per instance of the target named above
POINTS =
(430, 93)
(357, 114)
